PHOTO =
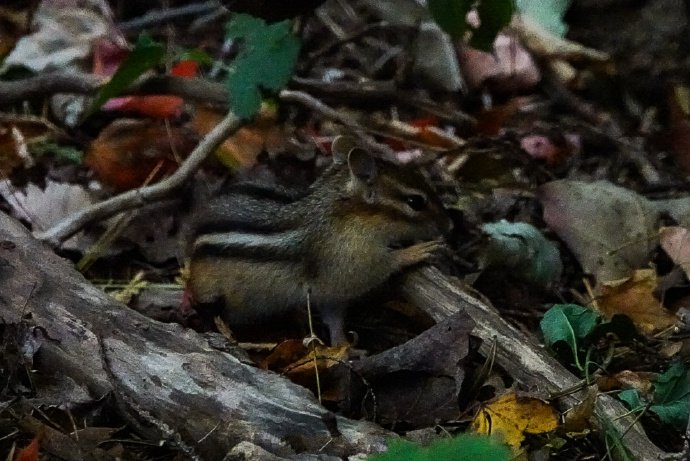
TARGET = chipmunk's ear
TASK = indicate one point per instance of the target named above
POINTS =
(341, 147)
(362, 166)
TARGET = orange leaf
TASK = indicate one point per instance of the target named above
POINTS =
(127, 151)
(244, 147)
(635, 298)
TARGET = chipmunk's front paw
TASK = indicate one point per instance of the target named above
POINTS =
(417, 253)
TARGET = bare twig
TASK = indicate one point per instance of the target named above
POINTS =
(327, 111)
(57, 82)
(161, 16)
(48, 83)
(139, 197)
(380, 91)
(607, 126)
(194, 89)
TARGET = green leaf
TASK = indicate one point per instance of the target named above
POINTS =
(632, 399)
(569, 323)
(466, 447)
(671, 397)
(195, 55)
(63, 153)
(494, 16)
(522, 249)
(547, 13)
(146, 54)
(265, 62)
(451, 15)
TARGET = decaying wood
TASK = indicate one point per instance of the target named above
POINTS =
(176, 385)
(168, 378)
(441, 296)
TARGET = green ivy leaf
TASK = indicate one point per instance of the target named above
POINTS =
(451, 15)
(494, 16)
(632, 399)
(466, 447)
(569, 323)
(671, 397)
(146, 54)
(265, 62)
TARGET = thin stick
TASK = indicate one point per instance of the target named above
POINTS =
(313, 339)
(140, 197)
(327, 111)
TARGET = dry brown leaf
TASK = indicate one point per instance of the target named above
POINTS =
(634, 297)
(244, 147)
(513, 416)
(128, 153)
(675, 241)
(642, 381)
(610, 230)
(326, 357)
(283, 354)
(577, 420)
(548, 45)
(671, 349)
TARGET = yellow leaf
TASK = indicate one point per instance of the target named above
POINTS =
(635, 298)
(513, 416)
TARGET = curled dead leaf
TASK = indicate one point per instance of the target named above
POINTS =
(634, 297)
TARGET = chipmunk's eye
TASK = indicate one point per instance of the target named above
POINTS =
(415, 201)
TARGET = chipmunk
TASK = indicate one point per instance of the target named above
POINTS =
(262, 250)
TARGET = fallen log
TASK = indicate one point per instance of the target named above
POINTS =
(210, 402)
(168, 378)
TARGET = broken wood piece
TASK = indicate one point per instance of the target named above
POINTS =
(441, 296)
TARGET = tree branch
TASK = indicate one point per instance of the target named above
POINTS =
(139, 197)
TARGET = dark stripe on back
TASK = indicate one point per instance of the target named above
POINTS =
(245, 227)
(262, 192)
(255, 254)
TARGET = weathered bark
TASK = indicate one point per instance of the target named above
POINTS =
(165, 376)
(212, 400)
(527, 362)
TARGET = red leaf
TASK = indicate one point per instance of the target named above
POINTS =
(185, 68)
(30, 452)
(155, 106)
